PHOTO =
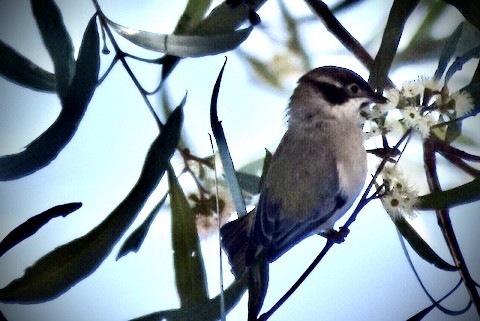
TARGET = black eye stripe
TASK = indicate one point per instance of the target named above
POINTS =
(333, 94)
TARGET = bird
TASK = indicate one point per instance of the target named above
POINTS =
(314, 176)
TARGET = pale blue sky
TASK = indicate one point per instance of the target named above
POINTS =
(366, 278)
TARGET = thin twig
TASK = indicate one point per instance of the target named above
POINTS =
(121, 56)
(444, 147)
(361, 204)
(445, 224)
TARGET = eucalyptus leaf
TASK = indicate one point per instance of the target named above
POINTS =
(57, 41)
(22, 71)
(190, 275)
(397, 19)
(183, 45)
(464, 194)
(225, 157)
(206, 311)
(448, 51)
(33, 224)
(135, 240)
(59, 270)
(46, 147)
(420, 246)
(460, 61)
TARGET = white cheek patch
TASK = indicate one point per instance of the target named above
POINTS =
(350, 109)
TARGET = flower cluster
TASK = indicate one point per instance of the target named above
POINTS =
(398, 198)
(418, 105)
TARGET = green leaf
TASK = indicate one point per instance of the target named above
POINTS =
(57, 41)
(190, 275)
(206, 311)
(225, 157)
(460, 61)
(191, 16)
(399, 14)
(183, 45)
(464, 194)
(420, 246)
(56, 272)
(448, 51)
(22, 71)
(33, 224)
(46, 147)
(135, 240)
(469, 10)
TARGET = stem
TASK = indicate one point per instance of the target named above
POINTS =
(361, 204)
(445, 224)
(120, 55)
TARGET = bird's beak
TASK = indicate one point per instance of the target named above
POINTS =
(379, 99)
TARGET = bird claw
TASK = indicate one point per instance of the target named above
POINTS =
(336, 236)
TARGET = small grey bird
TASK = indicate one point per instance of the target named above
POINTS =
(315, 175)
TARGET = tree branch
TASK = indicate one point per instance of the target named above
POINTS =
(443, 217)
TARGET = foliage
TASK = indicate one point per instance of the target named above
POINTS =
(424, 109)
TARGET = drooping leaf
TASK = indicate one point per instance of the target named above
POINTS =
(56, 272)
(225, 157)
(57, 41)
(33, 224)
(399, 14)
(448, 51)
(183, 45)
(135, 240)
(190, 275)
(207, 311)
(469, 10)
(46, 147)
(22, 71)
(420, 246)
(422, 314)
(464, 194)
(460, 61)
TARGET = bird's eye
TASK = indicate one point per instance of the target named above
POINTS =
(354, 89)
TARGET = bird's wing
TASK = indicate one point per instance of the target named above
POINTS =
(301, 192)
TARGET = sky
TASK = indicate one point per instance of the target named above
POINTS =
(366, 278)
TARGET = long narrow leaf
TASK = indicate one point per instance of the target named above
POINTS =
(33, 224)
(207, 311)
(22, 71)
(399, 14)
(183, 45)
(135, 240)
(464, 194)
(56, 272)
(420, 246)
(190, 275)
(57, 40)
(460, 61)
(225, 157)
(448, 51)
(45, 148)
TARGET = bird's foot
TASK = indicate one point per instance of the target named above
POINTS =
(336, 236)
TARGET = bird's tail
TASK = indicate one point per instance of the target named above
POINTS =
(235, 236)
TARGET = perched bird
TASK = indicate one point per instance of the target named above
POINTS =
(315, 175)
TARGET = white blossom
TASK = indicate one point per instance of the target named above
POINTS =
(463, 103)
